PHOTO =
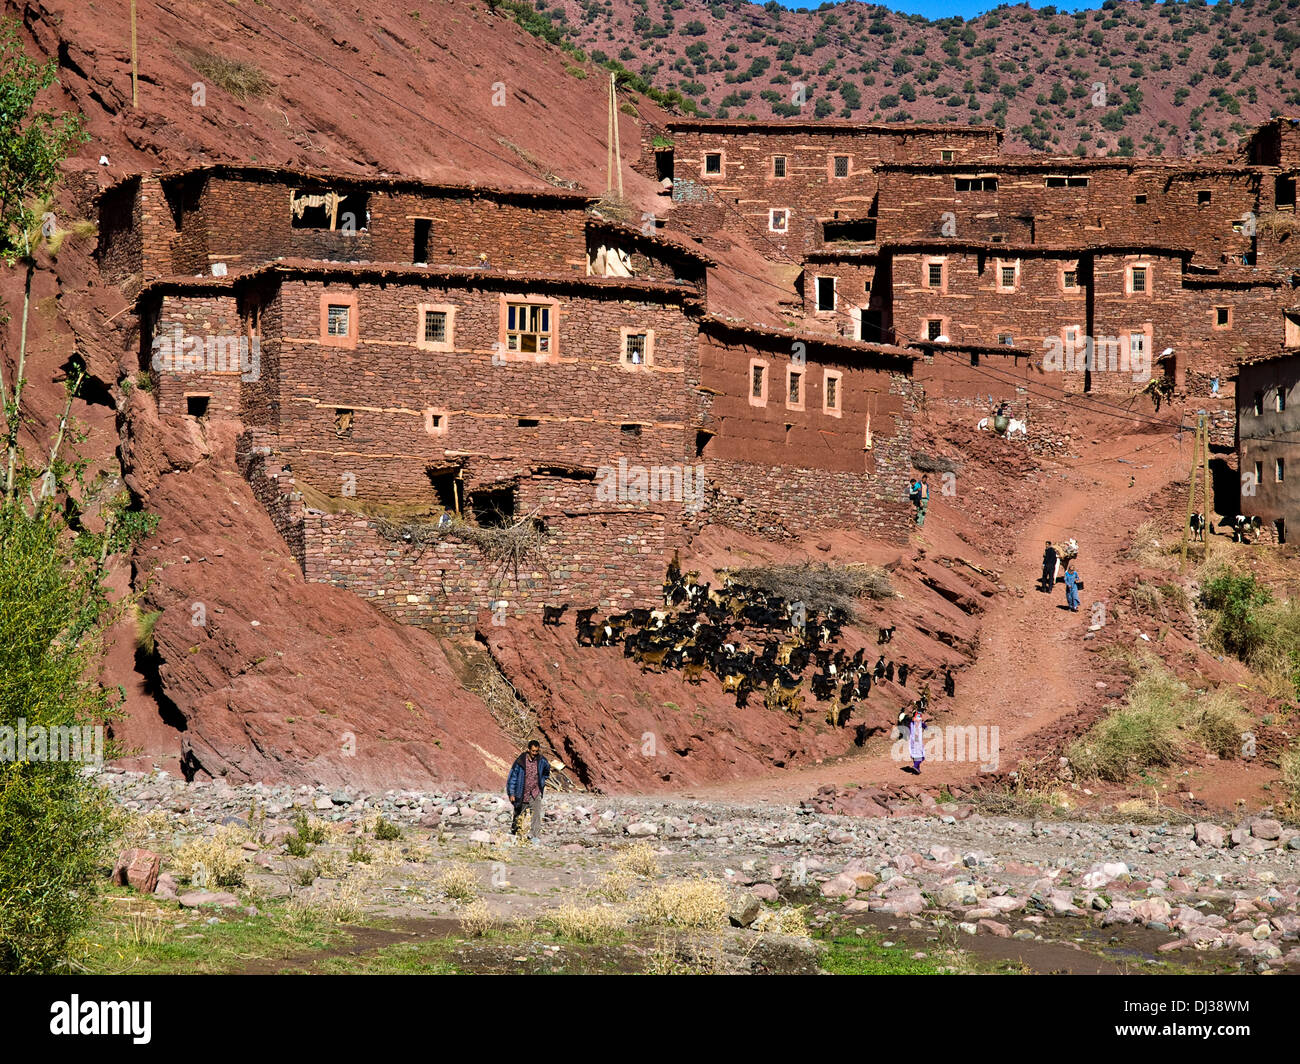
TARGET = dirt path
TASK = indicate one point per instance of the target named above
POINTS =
(1032, 666)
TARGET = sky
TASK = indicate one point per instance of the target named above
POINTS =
(936, 9)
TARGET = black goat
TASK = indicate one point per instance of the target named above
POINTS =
(551, 615)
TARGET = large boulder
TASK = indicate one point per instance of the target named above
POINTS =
(138, 869)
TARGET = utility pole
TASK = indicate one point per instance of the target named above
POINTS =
(135, 63)
(1197, 453)
(1208, 495)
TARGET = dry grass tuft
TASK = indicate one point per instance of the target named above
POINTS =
(458, 881)
(593, 924)
(696, 903)
(639, 859)
(817, 585)
(244, 81)
(215, 860)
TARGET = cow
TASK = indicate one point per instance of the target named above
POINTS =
(1197, 525)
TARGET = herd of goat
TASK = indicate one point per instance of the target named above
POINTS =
(701, 629)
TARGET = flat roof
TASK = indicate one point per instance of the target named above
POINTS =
(778, 125)
(458, 275)
(828, 254)
(255, 172)
(843, 344)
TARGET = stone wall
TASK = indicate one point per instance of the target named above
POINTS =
(1267, 438)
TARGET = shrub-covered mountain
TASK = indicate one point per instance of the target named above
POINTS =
(1132, 78)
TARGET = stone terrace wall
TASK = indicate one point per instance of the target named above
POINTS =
(612, 560)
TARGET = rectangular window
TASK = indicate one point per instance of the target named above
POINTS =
(1139, 279)
(945, 155)
(197, 405)
(1291, 328)
(1284, 192)
(636, 348)
(933, 329)
(435, 326)
(841, 165)
(794, 388)
(1222, 316)
(338, 320)
(1006, 339)
(1280, 402)
(825, 293)
(1259, 404)
(1140, 198)
(1007, 275)
(975, 184)
(1202, 197)
(1137, 345)
(778, 166)
(758, 383)
(831, 404)
(1259, 474)
(1068, 181)
(778, 220)
(713, 162)
(1279, 470)
(1070, 280)
(528, 328)
(934, 275)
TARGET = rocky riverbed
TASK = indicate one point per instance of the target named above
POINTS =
(1205, 895)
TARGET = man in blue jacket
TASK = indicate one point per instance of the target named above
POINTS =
(525, 786)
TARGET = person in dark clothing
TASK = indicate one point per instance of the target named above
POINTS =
(949, 684)
(525, 786)
(902, 673)
(1048, 581)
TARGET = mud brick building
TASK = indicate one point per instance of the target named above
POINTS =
(1268, 438)
(785, 180)
(800, 432)
(396, 412)
(916, 233)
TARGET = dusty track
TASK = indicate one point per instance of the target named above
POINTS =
(1034, 666)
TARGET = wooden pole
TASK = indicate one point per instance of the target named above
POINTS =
(135, 63)
(609, 136)
(613, 118)
(1209, 501)
(1191, 489)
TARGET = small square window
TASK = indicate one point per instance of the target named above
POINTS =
(713, 162)
(1006, 339)
(1222, 315)
(343, 420)
(1070, 279)
(1139, 278)
(841, 166)
(435, 326)
(1008, 274)
(778, 166)
(197, 405)
(1141, 197)
(933, 329)
(634, 348)
(778, 220)
(1202, 197)
(630, 430)
(934, 275)
(945, 155)
(338, 320)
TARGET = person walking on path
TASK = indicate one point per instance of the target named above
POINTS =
(1048, 580)
(1072, 584)
(924, 504)
(914, 495)
(916, 740)
(526, 785)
